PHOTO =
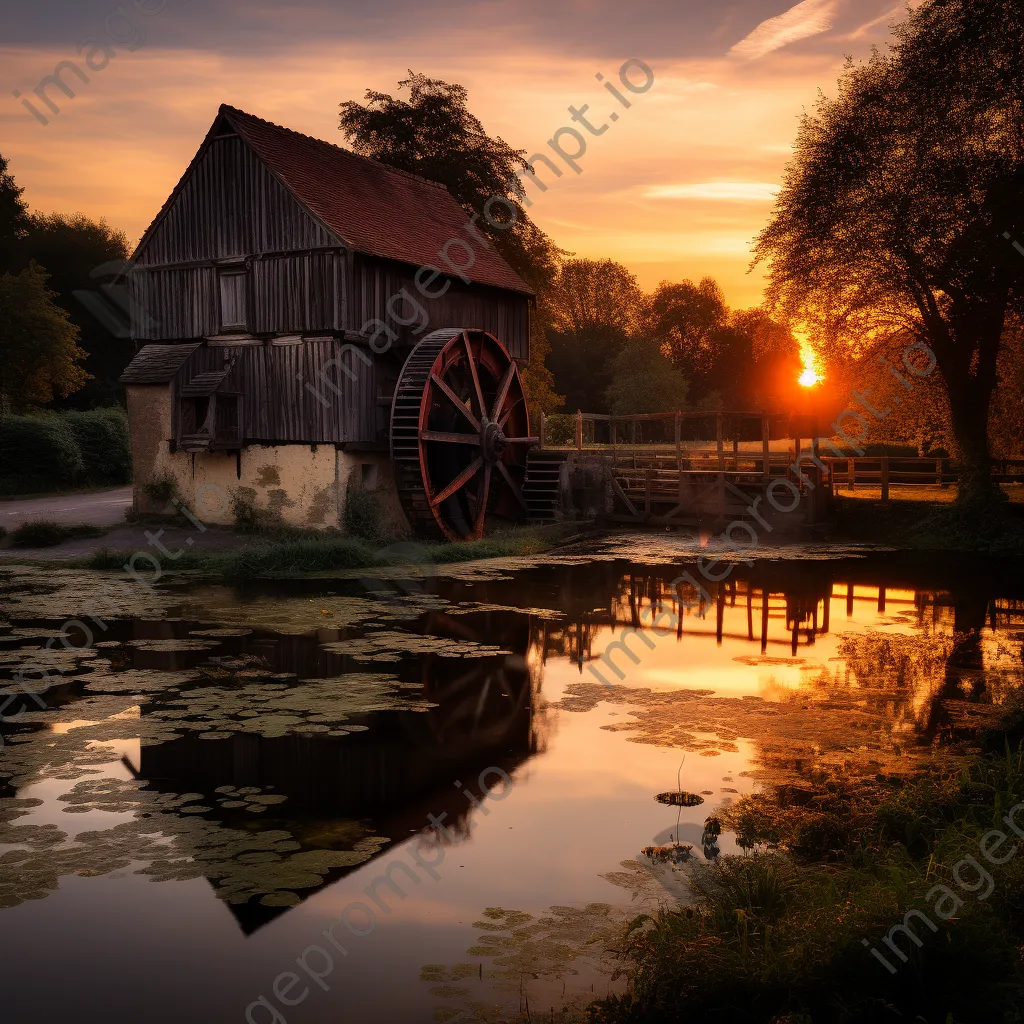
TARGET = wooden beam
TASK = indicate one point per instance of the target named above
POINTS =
(617, 487)
(766, 449)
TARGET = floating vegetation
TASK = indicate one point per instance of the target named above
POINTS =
(270, 709)
(680, 799)
(30, 592)
(832, 723)
(242, 864)
(136, 680)
(172, 646)
(568, 943)
(677, 853)
(391, 645)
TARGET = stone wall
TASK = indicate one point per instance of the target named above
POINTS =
(299, 484)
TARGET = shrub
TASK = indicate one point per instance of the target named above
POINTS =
(162, 489)
(38, 453)
(364, 517)
(560, 429)
(43, 533)
(103, 439)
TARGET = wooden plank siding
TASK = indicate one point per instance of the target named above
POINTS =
(277, 407)
(231, 206)
(504, 314)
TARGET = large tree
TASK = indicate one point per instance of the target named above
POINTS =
(596, 306)
(81, 256)
(13, 222)
(689, 321)
(643, 379)
(39, 355)
(434, 134)
(898, 211)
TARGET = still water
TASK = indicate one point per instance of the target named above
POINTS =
(225, 806)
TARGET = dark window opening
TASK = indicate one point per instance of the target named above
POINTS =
(210, 422)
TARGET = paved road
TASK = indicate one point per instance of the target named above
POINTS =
(100, 508)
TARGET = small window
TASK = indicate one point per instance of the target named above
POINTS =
(233, 300)
(369, 476)
(210, 422)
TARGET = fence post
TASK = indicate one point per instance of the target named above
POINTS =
(851, 473)
(679, 436)
(885, 479)
(938, 472)
(543, 428)
(579, 431)
(648, 487)
(718, 435)
(766, 464)
(611, 430)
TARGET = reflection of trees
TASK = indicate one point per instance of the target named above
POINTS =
(898, 674)
(917, 675)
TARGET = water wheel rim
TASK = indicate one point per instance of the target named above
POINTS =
(477, 467)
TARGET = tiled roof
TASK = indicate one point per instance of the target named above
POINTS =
(376, 209)
(156, 364)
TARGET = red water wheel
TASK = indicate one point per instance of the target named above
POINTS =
(460, 434)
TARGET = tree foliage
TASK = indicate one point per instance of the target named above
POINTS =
(596, 307)
(892, 216)
(40, 359)
(688, 320)
(73, 249)
(644, 380)
(434, 134)
(13, 221)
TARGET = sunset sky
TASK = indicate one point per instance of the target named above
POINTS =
(677, 187)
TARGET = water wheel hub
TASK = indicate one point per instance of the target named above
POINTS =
(493, 440)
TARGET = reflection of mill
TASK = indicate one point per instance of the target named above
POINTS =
(396, 772)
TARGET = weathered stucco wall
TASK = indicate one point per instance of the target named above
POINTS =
(302, 485)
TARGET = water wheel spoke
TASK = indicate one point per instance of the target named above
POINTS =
(449, 438)
(481, 501)
(499, 398)
(456, 401)
(508, 412)
(464, 477)
(512, 485)
(474, 375)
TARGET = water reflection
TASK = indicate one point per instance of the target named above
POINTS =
(279, 740)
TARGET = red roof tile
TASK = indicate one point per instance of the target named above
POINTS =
(376, 209)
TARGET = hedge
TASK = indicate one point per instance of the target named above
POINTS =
(57, 451)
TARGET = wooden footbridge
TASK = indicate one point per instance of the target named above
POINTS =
(687, 468)
(710, 467)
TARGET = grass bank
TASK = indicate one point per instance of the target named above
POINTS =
(298, 555)
(44, 533)
(786, 933)
(938, 524)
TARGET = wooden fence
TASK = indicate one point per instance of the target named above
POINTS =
(748, 443)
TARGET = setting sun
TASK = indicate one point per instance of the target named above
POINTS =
(810, 375)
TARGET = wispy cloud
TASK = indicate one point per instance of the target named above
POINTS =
(721, 191)
(810, 18)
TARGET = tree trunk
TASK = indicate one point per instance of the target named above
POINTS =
(970, 381)
(970, 412)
